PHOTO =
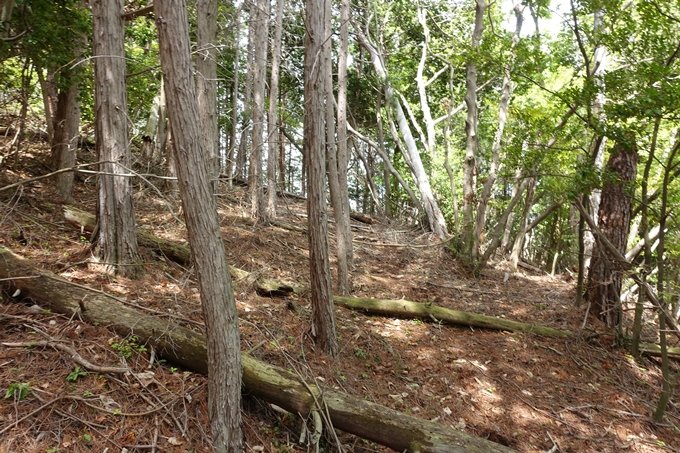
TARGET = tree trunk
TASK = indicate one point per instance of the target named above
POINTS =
(283, 172)
(151, 129)
(368, 163)
(469, 164)
(343, 142)
(605, 275)
(247, 115)
(485, 196)
(421, 82)
(65, 138)
(162, 131)
(518, 246)
(497, 233)
(323, 318)
(332, 159)
(646, 242)
(386, 161)
(206, 82)
(49, 95)
(385, 155)
(434, 214)
(185, 347)
(447, 153)
(171, 185)
(338, 154)
(272, 117)
(209, 256)
(117, 242)
(260, 37)
(231, 154)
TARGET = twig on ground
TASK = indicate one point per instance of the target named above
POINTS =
(47, 404)
(73, 354)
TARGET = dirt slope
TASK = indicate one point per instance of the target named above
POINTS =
(531, 393)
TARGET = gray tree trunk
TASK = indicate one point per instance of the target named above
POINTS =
(485, 196)
(117, 242)
(66, 135)
(205, 238)
(272, 117)
(470, 162)
(247, 115)
(206, 81)
(518, 246)
(434, 214)
(384, 154)
(49, 95)
(345, 237)
(235, 94)
(260, 39)
(323, 317)
(340, 211)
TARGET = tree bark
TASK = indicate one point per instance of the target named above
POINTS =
(209, 255)
(323, 318)
(206, 81)
(261, 33)
(497, 233)
(65, 138)
(605, 275)
(272, 117)
(343, 141)
(332, 158)
(247, 115)
(49, 94)
(231, 154)
(117, 242)
(185, 347)
(470, 162)
(338, 154)
(151, 129)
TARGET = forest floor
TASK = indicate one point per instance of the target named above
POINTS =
(532, 393)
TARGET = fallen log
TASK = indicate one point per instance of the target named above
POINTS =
(409, 309)
(276, 385)
(406, 308)
(363, 218)
(655, 350)
(180, 254)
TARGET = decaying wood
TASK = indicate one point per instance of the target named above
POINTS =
(185, 347)
(364, 218)
(405, 308)
(180, 254)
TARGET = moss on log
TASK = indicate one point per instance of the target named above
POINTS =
(405, 308)
(185, 347)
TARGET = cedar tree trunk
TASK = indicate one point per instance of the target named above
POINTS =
(117, 244)
(207, 247)
(323, 318)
